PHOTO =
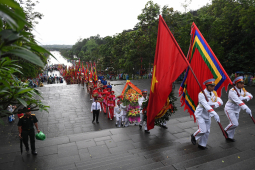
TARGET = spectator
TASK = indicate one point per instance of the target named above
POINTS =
(109, 85)
(26, 128)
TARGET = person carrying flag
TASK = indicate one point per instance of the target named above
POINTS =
(234, 106)
(204, 112)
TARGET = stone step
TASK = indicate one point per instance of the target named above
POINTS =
(130, 165)
(167, 151)
(189, 154)
(155, 148)
(200, 157)
(225, 161)
(149, 166)
(65, 167)
(169, 167)
(111, 163)
(245, 164)
(105, 159)
(194, 158)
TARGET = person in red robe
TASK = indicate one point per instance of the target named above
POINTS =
(105, 88)
(104, 101)
(110, 104)
(91, 87)
(99, 90)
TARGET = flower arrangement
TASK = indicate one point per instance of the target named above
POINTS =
(134, 113)
(130, 99)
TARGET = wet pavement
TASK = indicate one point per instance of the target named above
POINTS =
(73, 142)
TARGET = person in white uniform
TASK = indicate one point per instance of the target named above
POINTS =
(204, 112)
(140, 102)
(234, 106)
(117, 114)
(124, 118)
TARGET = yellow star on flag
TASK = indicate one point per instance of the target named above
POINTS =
(154, 80)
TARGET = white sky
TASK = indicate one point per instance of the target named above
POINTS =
(65, 21)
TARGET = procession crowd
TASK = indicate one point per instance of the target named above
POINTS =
(105, 101)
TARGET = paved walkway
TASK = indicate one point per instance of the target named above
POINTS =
(73, 142)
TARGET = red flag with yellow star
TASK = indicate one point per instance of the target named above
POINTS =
(169, 63)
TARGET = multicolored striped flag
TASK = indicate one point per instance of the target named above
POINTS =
(205, 65)
(95, 73)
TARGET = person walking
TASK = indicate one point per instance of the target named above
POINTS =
(117, 114)
(90, 87)
(204, 112)
(140, 102)
(95, 109)
(124, 118)
(234, 106)
(26, 128)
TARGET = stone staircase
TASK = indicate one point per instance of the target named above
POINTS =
(146, 155)
(125, 148)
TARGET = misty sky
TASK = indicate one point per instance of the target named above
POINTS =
(66, 21)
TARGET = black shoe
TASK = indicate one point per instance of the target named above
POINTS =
(97, 122)
(226, 133)
(193, 140)
(202, 147)
(140, 126)
(93, 121)
(34, 152)
(230, 140)
(164, 127)
(146, 131)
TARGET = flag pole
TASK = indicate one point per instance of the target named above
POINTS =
(224, 134)
(185, 57)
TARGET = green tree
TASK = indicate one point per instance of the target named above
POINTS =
(17, 43)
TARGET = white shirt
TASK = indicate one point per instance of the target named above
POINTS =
(204, 109)
(123, 109)
(140, 102)
(95, 106)
(235, 103)
(117, 110)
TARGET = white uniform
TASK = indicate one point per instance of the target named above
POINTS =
(233, 107)
(117, 115)
(123, 114)
(140, 102)
(203, 113)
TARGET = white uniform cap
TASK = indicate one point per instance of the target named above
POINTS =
(238, 79)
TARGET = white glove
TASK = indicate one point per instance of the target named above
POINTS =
(216, 105)
(241, 98)
(246, 98)
(217, 118)
(248, 111)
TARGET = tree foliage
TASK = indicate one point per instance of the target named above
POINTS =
(17, 46)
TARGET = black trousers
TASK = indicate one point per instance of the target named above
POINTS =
(95, 114)
(31, 134)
